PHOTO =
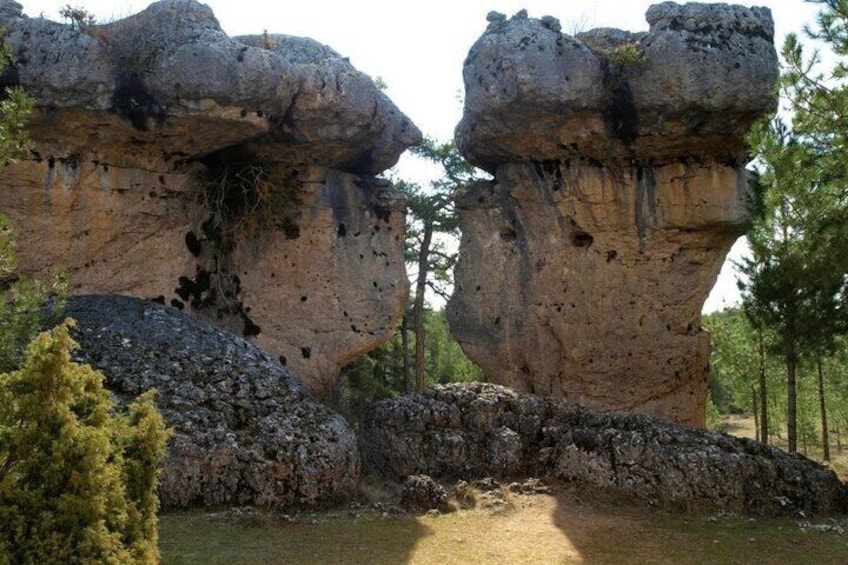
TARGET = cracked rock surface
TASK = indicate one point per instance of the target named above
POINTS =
(473, 431)
(244, 430)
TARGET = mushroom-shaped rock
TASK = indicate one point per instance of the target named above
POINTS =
(230, 177)
(618, 191)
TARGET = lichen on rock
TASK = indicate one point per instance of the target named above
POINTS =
(244, 430)
(473, 431)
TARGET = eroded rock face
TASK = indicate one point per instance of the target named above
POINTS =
(231, 177)
(618, 190)
(244, 431)
(471, 431)
(691, 86)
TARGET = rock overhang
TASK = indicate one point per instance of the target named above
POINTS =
(155, 76)
(233, 177)
(689, 88)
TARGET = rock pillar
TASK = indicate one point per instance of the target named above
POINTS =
(619, 187)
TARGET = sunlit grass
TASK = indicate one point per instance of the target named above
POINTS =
(568, 527)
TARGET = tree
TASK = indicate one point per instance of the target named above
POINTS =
(432, 212)
(739, 366)
(798, 272)
(77, 482)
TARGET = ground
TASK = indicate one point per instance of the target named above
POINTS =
(554, 528)
(565, 525)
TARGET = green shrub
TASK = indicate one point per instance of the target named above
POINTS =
(77, 480)
(713, 414)
(626, 56)
(23, 303)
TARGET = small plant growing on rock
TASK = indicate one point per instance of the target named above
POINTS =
(627, 56)
(243, 199)
(268, 42)
(77, 16)
(244, 196)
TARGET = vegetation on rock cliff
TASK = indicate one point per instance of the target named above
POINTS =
(78, 482)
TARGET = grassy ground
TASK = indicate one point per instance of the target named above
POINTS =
(563, 527)
(567, 526)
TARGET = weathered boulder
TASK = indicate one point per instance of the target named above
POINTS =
(471, 431)
(231, 177)
(618, 190)
(244, 431)
(421, 493)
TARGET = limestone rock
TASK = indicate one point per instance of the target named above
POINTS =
(690, 86)
(597, 293)
(169, 79)
(231, 177)
(421, 493)
(245, 432)
(618, 191)
(452, 431)
(316, 283)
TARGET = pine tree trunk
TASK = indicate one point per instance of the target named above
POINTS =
(418, 306)
(791, 395)
(823, 408)
(404, 345)
(764, 427)
(755, 408)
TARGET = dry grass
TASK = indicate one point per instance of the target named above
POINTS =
(568, 526)
(564, 527)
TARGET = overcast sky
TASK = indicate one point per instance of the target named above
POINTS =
(417, 47)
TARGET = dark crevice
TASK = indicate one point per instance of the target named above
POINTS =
(132, 101)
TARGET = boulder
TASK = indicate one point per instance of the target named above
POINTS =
(231, 177)
(421, 493)
(245, 433)
(618, 190)
(457, 431)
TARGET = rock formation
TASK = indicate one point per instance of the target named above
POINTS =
(244, 431)
(472, 431)
(231, 177)
(618, 190)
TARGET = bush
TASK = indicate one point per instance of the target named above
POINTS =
(26, 305)
(77, 480)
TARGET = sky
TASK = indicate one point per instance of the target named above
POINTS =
(418, 48)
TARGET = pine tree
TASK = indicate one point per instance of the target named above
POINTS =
(798, 272)
(431, 212)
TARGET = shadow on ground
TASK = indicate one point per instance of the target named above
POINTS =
(199, 537)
